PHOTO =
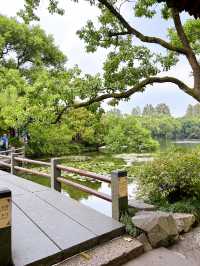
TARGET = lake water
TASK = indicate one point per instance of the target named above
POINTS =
(103, 164)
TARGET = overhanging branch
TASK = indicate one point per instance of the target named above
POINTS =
(126, 94)
(139, 35)
(139, 87)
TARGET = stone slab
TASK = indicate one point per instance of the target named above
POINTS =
(21, 182)
(94, 221)
(113, 253)
(49, 227)
(159, 257)
(29, 243)
(15, 189)
(64, 231)
(141, 205)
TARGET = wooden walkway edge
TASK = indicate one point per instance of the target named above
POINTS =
(48, 227)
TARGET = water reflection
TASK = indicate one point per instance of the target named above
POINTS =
(102, 164)
(76, 193)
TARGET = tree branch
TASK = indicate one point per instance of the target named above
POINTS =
(116, 34)
(126, 94)
(139, 35)
(186, 44)
(139, 87)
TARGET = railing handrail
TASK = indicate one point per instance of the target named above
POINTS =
(84, 188)
(26, 160)
(118, 179)
(5, 156)
(27, 170)
(5, 164)
(84, 173)
(12, 150)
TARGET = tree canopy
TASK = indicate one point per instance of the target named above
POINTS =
(133, 65)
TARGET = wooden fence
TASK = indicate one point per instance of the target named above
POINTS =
(15, 161)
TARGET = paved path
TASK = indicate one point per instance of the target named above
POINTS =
(48, 227)
(185, 253)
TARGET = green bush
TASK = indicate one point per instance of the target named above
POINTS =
(171, 177)
(129, 226)
(14, 141)
(125, 134)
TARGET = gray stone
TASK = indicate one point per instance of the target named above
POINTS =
(160, 227)
(113, 253)
(48, 227)
(184, 221)
(141, 205)
(160, 257)
(144, 240)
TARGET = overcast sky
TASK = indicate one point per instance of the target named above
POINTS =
(64, 28)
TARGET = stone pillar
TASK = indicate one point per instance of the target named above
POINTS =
(5, 227)
(119, 186)
(54, 174)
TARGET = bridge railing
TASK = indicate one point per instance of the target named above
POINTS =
(5, 156)
(117, 179)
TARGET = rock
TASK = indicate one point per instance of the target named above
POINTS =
(141, 206)
(112, 253)
(160, 227)
(183, 221)
(144, 240)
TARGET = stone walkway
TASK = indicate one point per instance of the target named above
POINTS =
(185, 253)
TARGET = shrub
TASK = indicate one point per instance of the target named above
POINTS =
(171, 177)
(129, 226)
(125, 134)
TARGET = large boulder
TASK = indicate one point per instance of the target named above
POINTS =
(144, 240)
(184, 221)
(160, 227)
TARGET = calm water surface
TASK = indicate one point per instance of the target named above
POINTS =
(104, 164)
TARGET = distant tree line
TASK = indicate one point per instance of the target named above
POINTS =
(162, 125)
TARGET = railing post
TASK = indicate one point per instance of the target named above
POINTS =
(23, 152)
(13, 163)
(54, 174)
(5, 227)
(119, 187)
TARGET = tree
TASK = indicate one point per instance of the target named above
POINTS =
(115, 111)
(197, 110)
(136, 111)
(35, 86)
(131, 66)
(23, 47)
(148, 110)
(162, 109)
(193, 110)
(189, 111)
(125, 134)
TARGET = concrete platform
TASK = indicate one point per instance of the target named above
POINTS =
(48, 227)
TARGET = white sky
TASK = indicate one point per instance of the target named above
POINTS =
(64, 28)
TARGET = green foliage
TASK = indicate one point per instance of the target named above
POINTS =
(53, 140)
(191, 29)
(129, 226)
(162, 126)
(193, 110)
(171, 177)
(15, 142)
(22, 46)
(125, 134)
